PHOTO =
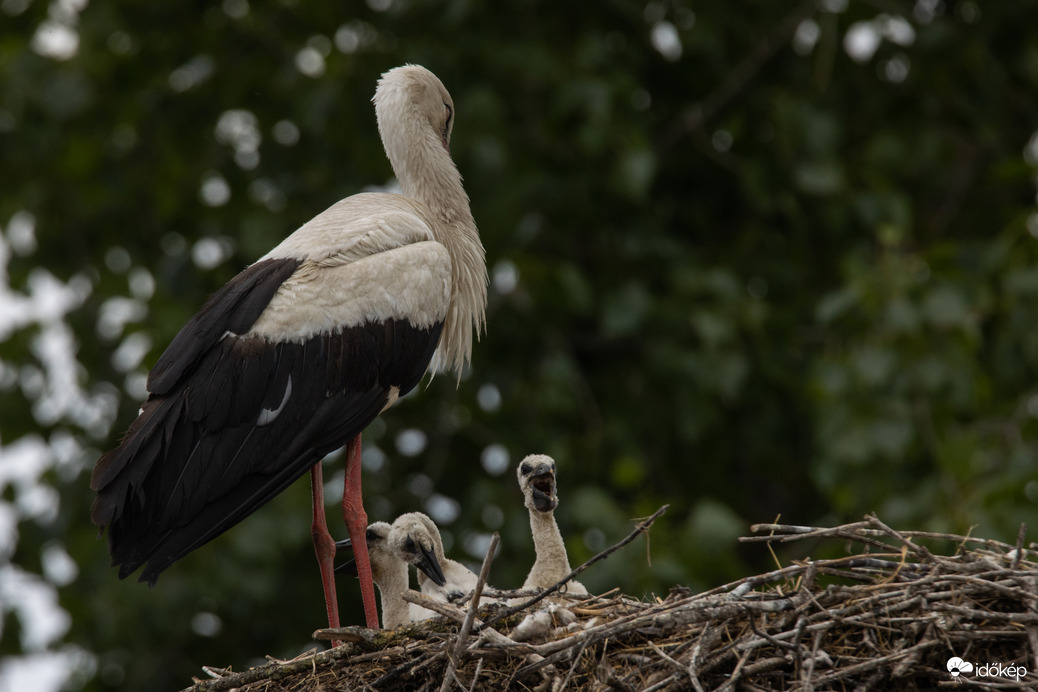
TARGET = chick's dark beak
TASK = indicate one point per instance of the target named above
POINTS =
(428, 563)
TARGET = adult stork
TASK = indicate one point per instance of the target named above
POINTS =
(298, 353)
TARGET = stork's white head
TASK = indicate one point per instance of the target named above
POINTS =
(415, 119)
(414, 111)
(536, 475)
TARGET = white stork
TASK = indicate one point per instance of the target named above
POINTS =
(536, 474)
(298, 353)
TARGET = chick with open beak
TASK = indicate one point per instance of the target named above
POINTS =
(536, 475)
(537, 481)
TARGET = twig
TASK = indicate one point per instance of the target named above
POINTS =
(735, 673)
(1019, 546)
(874, 663)
(572, 668)
(920, 550)
(263, 672)
(1032, 640)
(799, 533)
(693, 659)
(217, 673)
(675, 663)
(794, 532)
(809, 684)
(457, 656)
(448, 610)
(768, 637)
(350, 633)
(413, 663)
(479, 669)
(477, 593)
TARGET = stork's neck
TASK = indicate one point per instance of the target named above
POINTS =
(438, 189)
(429, 177)
(547, 540)
(391, 586)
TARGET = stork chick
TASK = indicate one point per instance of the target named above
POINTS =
(390, 574)
(416, 532)
(536, 475)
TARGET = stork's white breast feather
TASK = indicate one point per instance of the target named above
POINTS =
(355, 227)
(388, 267)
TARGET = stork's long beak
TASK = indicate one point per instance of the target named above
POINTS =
(542, 483)
(428, 563)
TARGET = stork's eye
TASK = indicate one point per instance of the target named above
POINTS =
(526, 469)
(450, 116)
(372, 535)
(409, 546)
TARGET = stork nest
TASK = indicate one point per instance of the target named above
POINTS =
(891, 615)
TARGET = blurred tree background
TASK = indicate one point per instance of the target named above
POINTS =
(747, 258)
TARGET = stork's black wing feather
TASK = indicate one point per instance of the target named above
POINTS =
(238, 421)
(234, 308)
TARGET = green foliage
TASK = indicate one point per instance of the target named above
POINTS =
(734, 269)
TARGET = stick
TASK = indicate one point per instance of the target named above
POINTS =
(448, 610)
(1019, 546)
(263, 672)
(466, 625)
(477, 593)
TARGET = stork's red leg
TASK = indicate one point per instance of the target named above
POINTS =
(324, 545)
(357, 525)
